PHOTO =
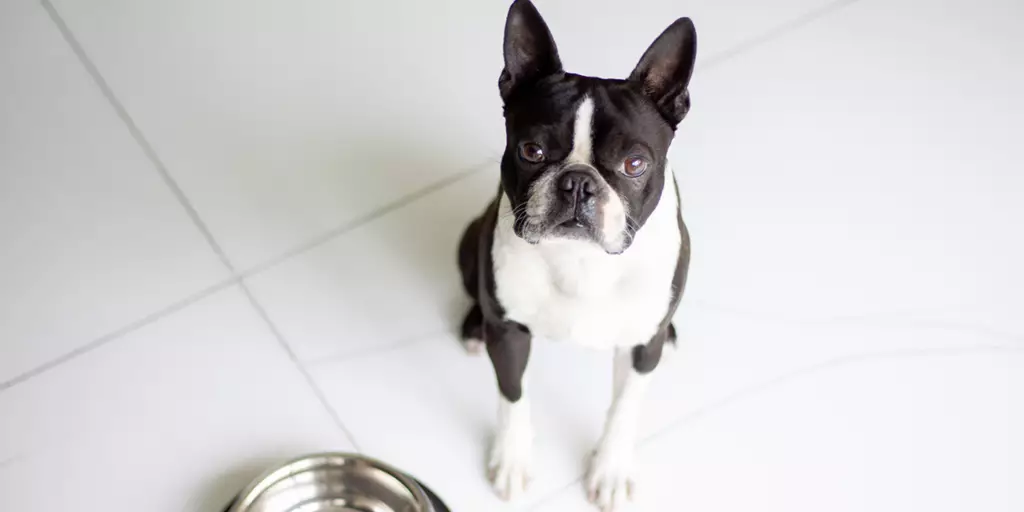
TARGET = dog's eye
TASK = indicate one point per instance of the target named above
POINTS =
(634, 166)
(531, 152)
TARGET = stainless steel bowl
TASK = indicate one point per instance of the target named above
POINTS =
(333, 482)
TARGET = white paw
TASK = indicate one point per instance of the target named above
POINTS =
(610, 484)
(473, 346)
(668, 351)
(511, 464)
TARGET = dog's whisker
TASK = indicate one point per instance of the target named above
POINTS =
(521, 208)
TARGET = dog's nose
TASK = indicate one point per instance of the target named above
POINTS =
(577, 186)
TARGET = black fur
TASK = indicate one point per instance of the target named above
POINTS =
(647, 356)
(635, 116)
(508, 343)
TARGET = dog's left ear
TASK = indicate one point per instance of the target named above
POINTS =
(530, 52)
(663, 73)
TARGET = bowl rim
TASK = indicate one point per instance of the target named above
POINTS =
(261, 483)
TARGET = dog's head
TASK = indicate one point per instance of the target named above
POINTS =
(585, 157)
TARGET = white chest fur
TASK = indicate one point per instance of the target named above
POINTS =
(574, 291)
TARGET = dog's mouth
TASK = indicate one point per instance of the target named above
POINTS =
(565, 227)
(574, 228)
(573, 219)
(551, 214)
(534, 228)
(572, 223)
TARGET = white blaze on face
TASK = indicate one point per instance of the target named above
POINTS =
(583, 134)
(613, 210)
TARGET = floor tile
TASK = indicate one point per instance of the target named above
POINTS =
(442, 405)
(284, 121)
(387, 281)
(823, 298)
(756, 249)
(850, 338)
(931, 431)
(723, 358)
(176, 416)
(92, 238)
(861, 165)
(450, 397)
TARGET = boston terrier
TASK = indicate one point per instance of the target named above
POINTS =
(584, 241)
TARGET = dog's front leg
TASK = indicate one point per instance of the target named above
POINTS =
(511, 460)
(610, 481)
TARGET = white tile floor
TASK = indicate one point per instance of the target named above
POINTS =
(227, 233)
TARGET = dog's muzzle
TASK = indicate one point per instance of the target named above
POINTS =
(576, 205)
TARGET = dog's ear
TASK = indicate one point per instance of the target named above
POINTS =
(530, 52)
(663, 73)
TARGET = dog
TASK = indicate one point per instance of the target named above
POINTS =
(584, 241)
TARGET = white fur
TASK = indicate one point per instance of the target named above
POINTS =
(610, 480)
(613, 225)
(572, 290)
(511, 461)
(583, 134)
(474, 346)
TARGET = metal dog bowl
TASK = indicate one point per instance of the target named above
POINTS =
(336, 482)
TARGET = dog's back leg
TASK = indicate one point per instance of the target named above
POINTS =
(469, 266)
(473, 330)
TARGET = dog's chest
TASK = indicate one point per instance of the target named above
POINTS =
(572, 291)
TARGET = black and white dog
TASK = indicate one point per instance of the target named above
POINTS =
(584, 241)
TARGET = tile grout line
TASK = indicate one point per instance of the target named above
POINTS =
(237, 278)
(880, 320)
(401, 343)
(712, 62)
(114, 335)
(107, 92)
(313, 386)
(193, 214)
(795, 374)
(783, 29)
(366, 218)
(855, 359)
(134, 131)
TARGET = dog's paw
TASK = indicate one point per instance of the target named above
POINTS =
(610, 484)
(668, 352)
(473, 346)
(511, 464)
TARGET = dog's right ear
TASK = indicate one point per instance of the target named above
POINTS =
(530, 52)
(663, 73)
